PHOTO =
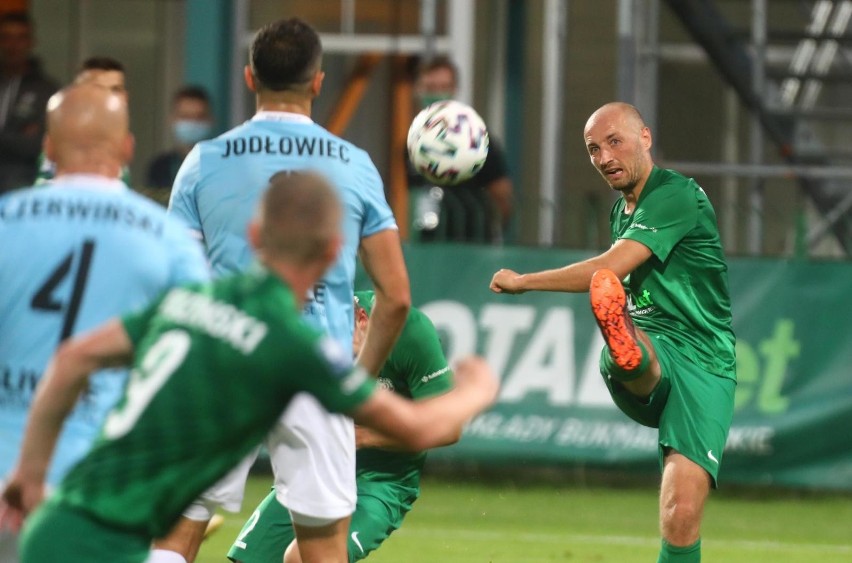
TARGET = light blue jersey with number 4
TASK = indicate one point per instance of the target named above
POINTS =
(219, 185)
(74, 254)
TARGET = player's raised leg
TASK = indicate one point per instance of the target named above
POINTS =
(631, 358)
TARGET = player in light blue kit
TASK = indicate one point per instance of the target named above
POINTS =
(216, 192)
(76, 252)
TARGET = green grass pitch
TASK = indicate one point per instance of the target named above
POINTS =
(472, 522)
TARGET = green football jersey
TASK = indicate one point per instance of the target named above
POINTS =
(681, 292)
(416, 368)
(214, 367)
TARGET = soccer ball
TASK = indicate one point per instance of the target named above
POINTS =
(447, 143)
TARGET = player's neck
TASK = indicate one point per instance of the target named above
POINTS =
(111, 169)
(631, 197)
(300, 278)
(298, 106)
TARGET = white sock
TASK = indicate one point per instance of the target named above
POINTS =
(164, 556)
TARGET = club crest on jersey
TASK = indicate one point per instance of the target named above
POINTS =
(385, 383)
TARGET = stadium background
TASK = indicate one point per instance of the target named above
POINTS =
(535, 70)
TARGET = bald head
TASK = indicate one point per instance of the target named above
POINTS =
(619, 146)
(299, 219)
(87, 130)
(617, 112)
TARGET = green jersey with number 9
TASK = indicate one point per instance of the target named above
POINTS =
(214, 367)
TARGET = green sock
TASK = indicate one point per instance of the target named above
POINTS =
(622, 374)
(672, 554)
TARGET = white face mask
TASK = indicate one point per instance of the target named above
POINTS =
(190, 131)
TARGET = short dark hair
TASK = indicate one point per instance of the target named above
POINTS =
(440, 62)
(19, 17)
(285, 55)
(192, 92)
(101, 63)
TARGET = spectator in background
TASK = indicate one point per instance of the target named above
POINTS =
(104, 72)
(191, 122)
(24, 91)
(489, 193)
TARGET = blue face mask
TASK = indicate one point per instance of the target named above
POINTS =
(189, 132)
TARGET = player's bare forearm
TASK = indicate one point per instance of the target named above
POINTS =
(381, 255)
(436, 421)
(63, 381)
(622, 258)
(369, 438)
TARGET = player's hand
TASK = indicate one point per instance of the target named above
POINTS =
(506, 281)
(473, 375)
(19, 498)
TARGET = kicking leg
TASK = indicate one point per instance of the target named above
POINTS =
(631, 359)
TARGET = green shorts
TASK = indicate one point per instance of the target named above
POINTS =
(692, 407)
(379, 511)
(56, 532)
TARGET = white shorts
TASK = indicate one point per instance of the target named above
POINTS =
(313, 459)
(228, 492)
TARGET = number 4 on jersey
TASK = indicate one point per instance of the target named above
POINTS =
(45, 298)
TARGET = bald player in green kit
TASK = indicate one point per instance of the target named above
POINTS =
(660, 297)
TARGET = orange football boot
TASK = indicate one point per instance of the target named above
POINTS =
(609, 305)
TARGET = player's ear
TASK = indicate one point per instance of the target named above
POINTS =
(253, 232)
(249, 78)
(647, 139)
(128, 147)
(316, 83)
(361, 316)
(333, 249)
(48, 148)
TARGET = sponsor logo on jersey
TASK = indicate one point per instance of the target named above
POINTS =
(640, 304)
(434, 374)
(642, 227)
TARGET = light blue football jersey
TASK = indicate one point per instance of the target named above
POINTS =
(219, 186)
(75, 253)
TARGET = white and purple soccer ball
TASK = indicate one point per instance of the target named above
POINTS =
(447, 142)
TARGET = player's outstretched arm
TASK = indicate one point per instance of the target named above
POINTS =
(55, 396)
(622, 258)
(381, 255)
(432, 422)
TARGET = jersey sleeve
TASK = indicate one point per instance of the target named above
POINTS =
(182, 202)
(419, 355)
(377, 213)
(327, 374)
(662, 219)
